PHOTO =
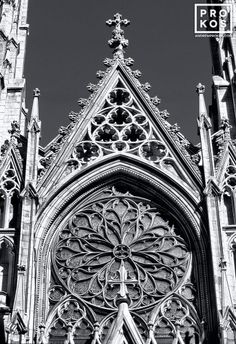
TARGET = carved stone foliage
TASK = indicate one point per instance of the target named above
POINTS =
(116, 230)
(118, 41)
(120, 126)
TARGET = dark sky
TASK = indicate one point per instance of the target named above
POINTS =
(68, 42)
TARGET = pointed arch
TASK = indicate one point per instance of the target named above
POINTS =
(176, 318)
(7, 264)
(69, 317)
(178, 203)
(154, 182)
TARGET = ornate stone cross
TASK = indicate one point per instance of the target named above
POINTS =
(123, 281)
(118, 40)
(118, 21)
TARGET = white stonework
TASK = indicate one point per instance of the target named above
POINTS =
(119, 230)
(13, 34)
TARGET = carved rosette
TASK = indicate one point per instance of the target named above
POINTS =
(120, 229)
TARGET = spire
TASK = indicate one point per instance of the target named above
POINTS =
(35, 106)
(204, 125)
(118, 41)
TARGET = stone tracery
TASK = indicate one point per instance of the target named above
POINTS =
(175, 320)
(120, 126)
(9, 191)
(96, 239)
(120, 242)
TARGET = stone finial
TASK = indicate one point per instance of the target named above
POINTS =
(203, 118)
(200, 89)
(36, 92)
(118, 41)
(224, 124)
(15, 129)
(35, 106)
(42, 337)
(15, 133)
(96, 335)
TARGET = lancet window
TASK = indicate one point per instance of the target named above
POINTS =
(232, 253)
(6, 270)
(230, 194)
(9, 192)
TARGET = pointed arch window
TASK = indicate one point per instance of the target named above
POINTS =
(232, 251)
(9, 199)
(7, 260)
(229, 196)
(2, 208)
(120, 250)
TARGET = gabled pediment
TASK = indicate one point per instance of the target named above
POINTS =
(11, 167)
(123, 329)
(228, 320)
(120, 119)
(228, 159)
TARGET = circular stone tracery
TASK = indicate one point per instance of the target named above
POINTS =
(120, 121)
(120, 232)
(120, 126)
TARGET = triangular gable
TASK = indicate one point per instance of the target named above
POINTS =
(121, 118)
(11, 168)
(228, 159)
(228, 320)
(123, 329)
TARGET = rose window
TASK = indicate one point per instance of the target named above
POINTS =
(120, 233)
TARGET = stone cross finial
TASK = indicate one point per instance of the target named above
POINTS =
(118, 41)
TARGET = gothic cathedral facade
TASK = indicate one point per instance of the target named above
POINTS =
(119, 231)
